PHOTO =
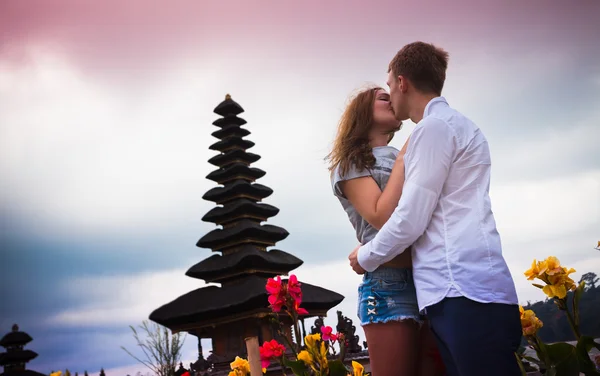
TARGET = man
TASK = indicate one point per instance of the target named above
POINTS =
(461, 277)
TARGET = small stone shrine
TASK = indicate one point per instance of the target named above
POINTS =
(238, 308)
(15, 357)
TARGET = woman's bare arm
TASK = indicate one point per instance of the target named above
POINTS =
(372, 204)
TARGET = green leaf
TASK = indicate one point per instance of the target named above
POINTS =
(337, 368)
(538, 286)
(532, 360)
(576, 297)
(563, 358)
(521, 366)
(297, 366)
(584, 345)
(542, 354)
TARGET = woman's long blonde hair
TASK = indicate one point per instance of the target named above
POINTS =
(351, 144)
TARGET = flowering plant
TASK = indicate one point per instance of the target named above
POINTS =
(314, 358)
(239, 367)
(559, 358)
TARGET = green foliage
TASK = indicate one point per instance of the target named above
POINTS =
(590, 279)
(565, 319)
(337, 368)
(297, 366)
(584, 345)
(556, 325)
(561, 360)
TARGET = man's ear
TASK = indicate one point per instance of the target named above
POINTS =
(402, 83)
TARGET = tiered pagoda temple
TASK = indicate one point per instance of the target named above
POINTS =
(15, 357)
(239, 307)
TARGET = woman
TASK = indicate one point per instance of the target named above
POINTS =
(367, 177)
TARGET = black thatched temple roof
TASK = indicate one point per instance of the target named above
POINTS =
(16, 357)
(237, 188)
(249, 259)
(235, 172)
(245, 231)
(229, 120)
(204, 305)
(232, 130)
(228, 107)
(26, 372)
(221, 160)
(240, 208)
(15, 338)
(231, 143)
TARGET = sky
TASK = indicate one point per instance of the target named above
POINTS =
(105, 122)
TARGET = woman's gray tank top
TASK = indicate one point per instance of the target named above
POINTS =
(385, 157)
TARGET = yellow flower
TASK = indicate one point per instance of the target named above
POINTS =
(550, 266)
(555, 291)
(323, 349)
(57, 373)
(241, 365)
(562, 277)
(358, 368)
(238, 372)
(559, 283)
(311, 340)
(556, 277)
(529, 322)
(534, 271)
(264, 370)
(323, 356)
(305, 357)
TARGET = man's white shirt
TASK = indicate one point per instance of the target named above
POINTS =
(445, 214)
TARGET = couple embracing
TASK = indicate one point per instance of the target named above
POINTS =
(435, 283)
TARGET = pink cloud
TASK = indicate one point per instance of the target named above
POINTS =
(101, 33)
(117, 42)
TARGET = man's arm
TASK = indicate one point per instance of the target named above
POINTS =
(427, 163)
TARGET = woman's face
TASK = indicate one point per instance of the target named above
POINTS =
(383, 115)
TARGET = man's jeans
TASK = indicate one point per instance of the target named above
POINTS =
(477, 338)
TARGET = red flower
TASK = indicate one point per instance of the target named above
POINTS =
(327, 334)
(274, 286)
(276, 292)
(300, 311)
(276, 302)
(269, 351)
(288, 294)
(293, 287)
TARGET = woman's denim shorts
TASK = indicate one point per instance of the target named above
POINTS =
(388, 294)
